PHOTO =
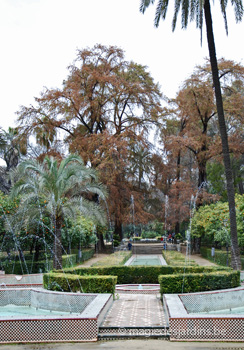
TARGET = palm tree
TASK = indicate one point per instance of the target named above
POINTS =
(57, 191)
(194, 10)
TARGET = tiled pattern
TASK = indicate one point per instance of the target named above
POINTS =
(136, 311)
(214, 300)
(206, 329)
(48, 330)
(114, 333)
(199, 327)
(82, 327)
(44, 299)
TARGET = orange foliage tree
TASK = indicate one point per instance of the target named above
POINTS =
(105, 105)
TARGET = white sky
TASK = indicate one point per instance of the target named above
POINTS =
(39, 39)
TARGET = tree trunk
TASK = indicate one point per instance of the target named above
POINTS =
(100, 244)
(57, 247)
(118, 229)
(178, 174)
(235, 251)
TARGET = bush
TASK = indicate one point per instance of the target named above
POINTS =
(117, 258)
(199, 282)
(24, 268)
(174, 258)
(220, 256)
(140, 274)
(29, 266)
(84, 284)
(87, 253)
(149, 234)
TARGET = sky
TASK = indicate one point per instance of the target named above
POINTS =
(39, 40)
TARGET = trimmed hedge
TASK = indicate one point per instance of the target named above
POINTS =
(87, 254)
(199, 282)
(19, 268)
(30, 266)
(174, 258)
(220, 256)
(140, 274)
(84, 284)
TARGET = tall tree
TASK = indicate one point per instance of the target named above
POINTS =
(194, 10)
(57, 191)
(104, 105)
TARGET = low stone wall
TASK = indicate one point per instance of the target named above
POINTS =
(21, 281)
(188, 326)
(68, 328)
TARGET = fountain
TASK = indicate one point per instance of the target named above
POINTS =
(28, 313)
(215, 316)
(141, 260)
(205, 316)
(46, 316)
(137, 288)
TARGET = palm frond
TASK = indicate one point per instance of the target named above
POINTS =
(176, 11)
(161, 11)
(223, 5)
(185, 5)
(144, 5)
(238, 8)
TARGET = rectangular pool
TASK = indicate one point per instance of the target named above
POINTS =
(148, 260)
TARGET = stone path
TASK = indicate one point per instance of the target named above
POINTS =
(136, 310)
(201, 261)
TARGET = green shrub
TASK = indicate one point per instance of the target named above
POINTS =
(24, 268)
(174, 258)
(220, 256)
(140, 274)
(29, 266)
(74, 283)
(69, 260)
(116, 240)
(117, 258)
(149, 234)
(199, 282)
(87, 254)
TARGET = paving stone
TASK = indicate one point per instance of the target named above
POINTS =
(136, 310)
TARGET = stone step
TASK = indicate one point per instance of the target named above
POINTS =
(151, 248)
(133, 332)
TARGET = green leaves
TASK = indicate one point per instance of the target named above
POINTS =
(190, 9)
(213, 221)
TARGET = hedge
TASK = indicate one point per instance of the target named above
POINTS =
(220, 256)
(29, 266)
(174, 258)
(87, 254)
(139, 274)
(19, 268)
(198, 282)
(85, 284)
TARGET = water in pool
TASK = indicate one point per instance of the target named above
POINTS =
(231, 311)
(14, 310)
(146, 260)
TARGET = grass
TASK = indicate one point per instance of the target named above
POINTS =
(117, 258)
(174, 258)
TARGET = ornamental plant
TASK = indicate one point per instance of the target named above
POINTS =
(211, 222)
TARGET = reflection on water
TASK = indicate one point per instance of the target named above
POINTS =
(232, 311)
(14, 310)
(146, 260)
